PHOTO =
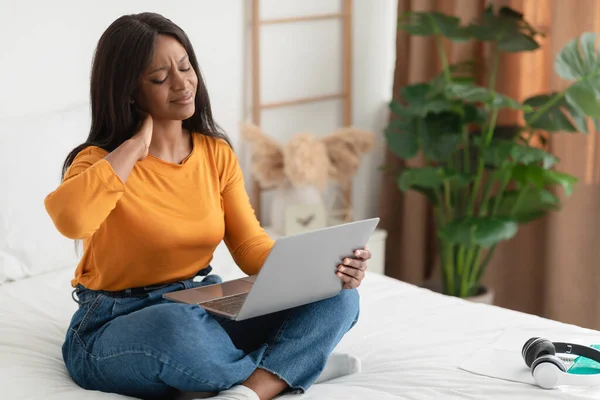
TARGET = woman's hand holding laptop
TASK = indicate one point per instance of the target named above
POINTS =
(352, 271)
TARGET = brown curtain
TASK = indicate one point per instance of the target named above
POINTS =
(551, 267)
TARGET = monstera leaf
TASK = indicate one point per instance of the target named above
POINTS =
(507, 28)
(433, 23)
(578, 61)
(553, 115)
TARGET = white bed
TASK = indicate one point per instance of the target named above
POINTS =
(410, 342)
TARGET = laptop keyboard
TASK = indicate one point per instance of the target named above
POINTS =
(229, 305)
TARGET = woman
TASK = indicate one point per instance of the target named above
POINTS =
(151, 193)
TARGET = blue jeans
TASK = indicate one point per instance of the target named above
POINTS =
(149, 347)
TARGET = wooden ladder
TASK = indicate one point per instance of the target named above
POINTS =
(345, 15)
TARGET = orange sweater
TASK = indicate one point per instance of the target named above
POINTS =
(164, 224)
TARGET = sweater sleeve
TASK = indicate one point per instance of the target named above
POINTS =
(248, 243)
(87, 195)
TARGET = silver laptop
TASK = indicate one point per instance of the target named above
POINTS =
(300, 269)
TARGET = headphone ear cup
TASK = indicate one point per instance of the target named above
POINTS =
(546, 371)
(548, 358)
(538, 348)
(526, 346)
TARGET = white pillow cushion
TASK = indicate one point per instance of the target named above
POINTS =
(32, 150)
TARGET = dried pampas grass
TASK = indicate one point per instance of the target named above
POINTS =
(267, 157)
(306, 159)
(345, 148)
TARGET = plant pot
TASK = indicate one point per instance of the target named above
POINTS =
(485, 295)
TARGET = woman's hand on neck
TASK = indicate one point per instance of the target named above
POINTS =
(170, 142)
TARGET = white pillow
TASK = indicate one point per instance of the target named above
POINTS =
(32, 150)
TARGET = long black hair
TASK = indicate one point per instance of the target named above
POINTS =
(124, 52)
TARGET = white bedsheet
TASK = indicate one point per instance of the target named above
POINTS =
(410, 341)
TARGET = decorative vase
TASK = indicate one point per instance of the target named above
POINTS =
(290, 195)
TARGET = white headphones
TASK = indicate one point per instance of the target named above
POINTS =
(549, 371)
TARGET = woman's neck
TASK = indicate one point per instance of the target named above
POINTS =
(170, 142)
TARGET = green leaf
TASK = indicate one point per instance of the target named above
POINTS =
(403, 143)
(480, 231)
(440, 135)
(518, 43)
(530, 155)
(526, 205)
(425, 98)
(502, 151)
(475, 94)
(507, 28)
(578, 61)
(441, 105)
(501, 132)
(421, 100)
(433, 23)
(572, 64)
(556, 118)
(416, 93)
(474, 115)
(399, 109)
(437, 133)
(431, 178)
(560, 178)
(539, 177)
(585, 96)
(440, 147)
(463, 72)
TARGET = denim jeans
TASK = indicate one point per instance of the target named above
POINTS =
(149, 347)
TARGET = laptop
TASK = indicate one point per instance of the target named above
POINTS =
(300, 269)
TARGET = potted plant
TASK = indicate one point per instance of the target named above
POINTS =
(484, 180)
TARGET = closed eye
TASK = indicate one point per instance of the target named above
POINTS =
(157, 82)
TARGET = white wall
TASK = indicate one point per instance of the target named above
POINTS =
(47, 46)
(47, 49)
(374, 61)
